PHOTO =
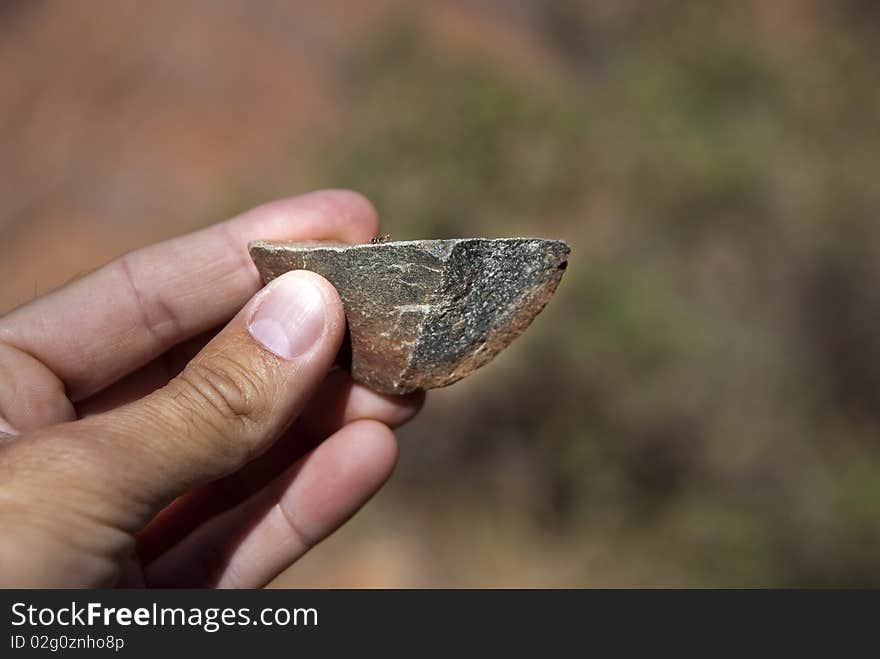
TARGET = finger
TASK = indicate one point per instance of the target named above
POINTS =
(341, 400)
(338, 402)
(249, 545)
(31, 395)
(112, 321)
(227, 406)
(147, 379)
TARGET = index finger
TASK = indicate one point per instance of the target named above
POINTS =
(97, 329)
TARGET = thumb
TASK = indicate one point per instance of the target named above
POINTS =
(226, 407)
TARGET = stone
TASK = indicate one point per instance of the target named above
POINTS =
(426, 313)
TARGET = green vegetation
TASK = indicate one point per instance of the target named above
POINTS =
(703, 395)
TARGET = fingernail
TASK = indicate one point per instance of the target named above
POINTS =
(290, 316)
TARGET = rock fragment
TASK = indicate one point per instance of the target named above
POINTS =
(426, 313)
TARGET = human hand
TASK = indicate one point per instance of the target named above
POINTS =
(146, 451)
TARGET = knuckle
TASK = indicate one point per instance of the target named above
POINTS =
(223, 393)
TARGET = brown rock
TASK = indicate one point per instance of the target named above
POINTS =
(426, 313)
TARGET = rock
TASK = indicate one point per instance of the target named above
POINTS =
(426, 313)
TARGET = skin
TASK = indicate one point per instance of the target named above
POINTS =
(155, 442)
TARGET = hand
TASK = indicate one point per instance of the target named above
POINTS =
(147, 451)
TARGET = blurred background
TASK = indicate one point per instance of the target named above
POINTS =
(700, 403)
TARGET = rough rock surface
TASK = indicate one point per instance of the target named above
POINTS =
(426, 313)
